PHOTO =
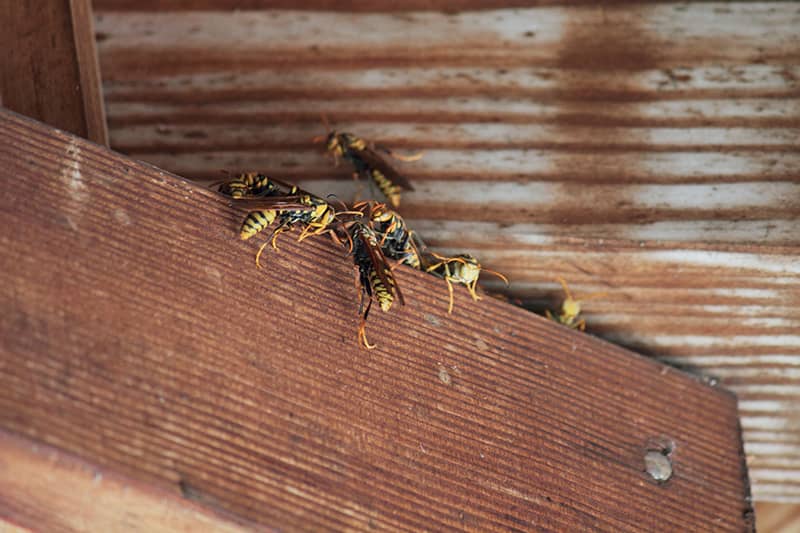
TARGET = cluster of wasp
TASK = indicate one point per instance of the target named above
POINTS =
(374, 232)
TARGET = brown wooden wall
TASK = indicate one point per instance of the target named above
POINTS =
(645, 149)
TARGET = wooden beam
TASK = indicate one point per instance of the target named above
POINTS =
(137, 333)
(45, 489)
(49, 68)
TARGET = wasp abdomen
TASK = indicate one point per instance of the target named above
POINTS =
(382, 293)
(389, 189)
(255, 222)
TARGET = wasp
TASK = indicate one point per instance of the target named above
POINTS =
(571, 309)
(292, 208)
(249, 184)
(397, 241)
(464, 269)
(368, 163)
(375, 280)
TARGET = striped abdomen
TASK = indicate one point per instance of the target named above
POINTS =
(381, 293)
(389, 189)
(410, 256)
(255, 222)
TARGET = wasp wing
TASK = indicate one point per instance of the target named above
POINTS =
(372, 159)
(370, 243)
(278, 203)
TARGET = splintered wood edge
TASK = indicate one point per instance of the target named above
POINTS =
(557, 390)
(46, 489)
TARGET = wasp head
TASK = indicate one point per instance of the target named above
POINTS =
(333, 144)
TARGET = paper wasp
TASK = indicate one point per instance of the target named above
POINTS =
(571, 309)
(375, 279)
(463, 269)
(248, 184)
(368, 163)
(295, 207)
(397, 241)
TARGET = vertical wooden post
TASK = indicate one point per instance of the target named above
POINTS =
(49, 68)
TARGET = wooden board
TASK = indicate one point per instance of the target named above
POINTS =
(645, 149)
(137, 333)
(48, 65)
(45, 489)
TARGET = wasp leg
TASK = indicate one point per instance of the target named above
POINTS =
(581, 325)
(307, 232)
(362, 327)
(471, 288)
(258, 255)
(550, 316)
(434, 266)
(362, 336)
(335, 238)
(407, 158)
(450, 290)
(274, 238)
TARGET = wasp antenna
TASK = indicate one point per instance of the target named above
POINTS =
(498, 274)
(594, 295)
(563, 283)
(359, 213)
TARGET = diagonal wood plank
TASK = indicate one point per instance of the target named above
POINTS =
(136, 333)
(45, 489)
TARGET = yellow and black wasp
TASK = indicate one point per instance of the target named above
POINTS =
(291, 208)
(571, 308)
(249, 184)
(375, 280)
(369, 164)
(463, 268)
(396, 240)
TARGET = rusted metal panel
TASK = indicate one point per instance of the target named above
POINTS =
(648, 150)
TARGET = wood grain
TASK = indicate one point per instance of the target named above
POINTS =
(648, 149)
(137, 333)
(49, 68)
(45, 489)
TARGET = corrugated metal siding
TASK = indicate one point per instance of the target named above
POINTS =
(649, 150)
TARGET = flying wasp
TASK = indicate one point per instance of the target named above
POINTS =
(463, 269)
(571, 309)
(375, 280)
(368, 163)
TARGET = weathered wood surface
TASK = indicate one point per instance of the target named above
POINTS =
(48, 65)
(45, 489)
(647, 149)
(137, 332)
